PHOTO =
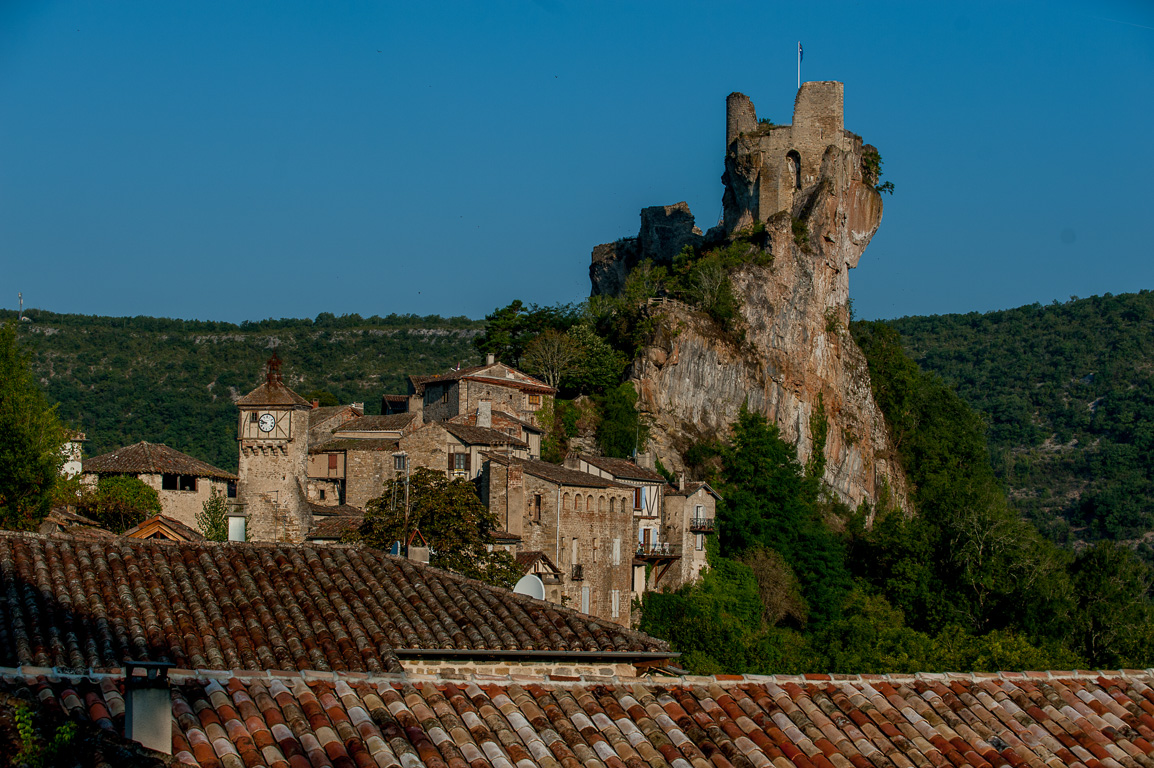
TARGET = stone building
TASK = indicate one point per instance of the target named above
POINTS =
(273, 435)
(485, 416)
(183, 483)
(461, 391)
(689, 515)
(583, 522)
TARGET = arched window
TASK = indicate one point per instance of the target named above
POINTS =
(601, 505)
(565, 502)
(577, 503)
(793, 167)
(612, 505)
(589, 503)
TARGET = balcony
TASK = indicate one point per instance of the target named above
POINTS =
(659, 550)
(701, 525)
(578, 573)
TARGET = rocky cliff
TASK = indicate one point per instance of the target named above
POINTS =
(808, 186)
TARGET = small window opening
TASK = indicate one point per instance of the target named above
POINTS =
(169, 482)
(793, 167)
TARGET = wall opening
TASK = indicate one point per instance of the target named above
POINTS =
(793, 167)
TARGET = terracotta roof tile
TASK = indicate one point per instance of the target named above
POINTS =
(356, 444)
(393, 422)
(262, 606)
(556, 473)
(156, 524)
(481, 435)
(153, 459)
(623, 468)
(334, 528)
(326, 412)
(275, 393)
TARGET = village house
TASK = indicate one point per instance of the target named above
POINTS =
(461, 391)
(183, 483)
(582, 521)
(690, 515)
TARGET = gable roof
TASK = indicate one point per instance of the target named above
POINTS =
(522, 380)
(555, 473)
(623, 468)
(266, 606)
(152, 459)
(393, 422)
(326, 412)
(690, 489)
(356, 444)
(471, 435)
(526, 561)
(1034, 719)
(159, 526)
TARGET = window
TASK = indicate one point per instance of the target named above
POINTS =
(173, 482)
(459, 462)
(617, 551)
(534, 401)
(636, 499)
(616, 595)
(699, 542)
(535, 510)
(400, 462)
(589, 504)
(565, 502)
(332, 462)
(253, 417)
(188, 483)
(231, 492)
(577, 503)
(321, 494)
(594, 550)
(612, 505)
(168, 482)
(699, 511)
(575, 551)
(601, 504)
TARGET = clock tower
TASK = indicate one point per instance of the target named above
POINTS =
(272, 433)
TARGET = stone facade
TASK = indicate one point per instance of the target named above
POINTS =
(584, 524)
(690, 516)
(440, 398)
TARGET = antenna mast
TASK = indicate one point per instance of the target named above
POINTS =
(20, 297)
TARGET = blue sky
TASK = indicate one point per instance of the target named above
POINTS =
(232, 161)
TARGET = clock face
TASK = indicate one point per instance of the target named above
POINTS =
(267, 422)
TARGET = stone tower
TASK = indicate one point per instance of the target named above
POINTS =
(273, 432)
(767, 166)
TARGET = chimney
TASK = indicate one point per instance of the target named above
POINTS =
(573, 460)
(148, 704)
(490, 359)
(485, 414)
(645, 459)
(681, 481)
(316, 403)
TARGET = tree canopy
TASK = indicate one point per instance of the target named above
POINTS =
(31, 439)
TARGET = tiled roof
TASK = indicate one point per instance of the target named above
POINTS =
(393, 422)
(526, 561)
(76, 603)
(482, 435)
(522, 422)
(555, 473)
(273, 394)
(334, 510)
(931, 721)
(356, 444)
(324, 413)
(690, 489)
(396, 398)
(623, 468)
(334, 528)
(152, 459)
(158, 523)
(476, 372)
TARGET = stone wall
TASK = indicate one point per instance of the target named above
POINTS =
(593, 527)
(271, 486)
(679, 513)
(368, 471)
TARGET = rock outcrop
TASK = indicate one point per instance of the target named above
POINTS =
(807, 185)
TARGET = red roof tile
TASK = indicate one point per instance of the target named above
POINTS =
(274, 393)
(393, 422)
(152, 459)
(623, 468)
(572, 722)
(263, 606)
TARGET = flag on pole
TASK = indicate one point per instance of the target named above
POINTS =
(799, 52)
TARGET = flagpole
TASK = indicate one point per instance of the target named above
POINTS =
(799, 65)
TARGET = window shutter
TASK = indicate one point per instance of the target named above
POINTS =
(451, 467)
(332, 461)
(468, 462)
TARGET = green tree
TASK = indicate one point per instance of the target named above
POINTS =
(451, 518)
(509, 330)
(31, 438)
(212, 520)
(119, 502)
(621, 430)
(551, 355)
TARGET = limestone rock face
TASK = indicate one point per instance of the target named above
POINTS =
(694, 377)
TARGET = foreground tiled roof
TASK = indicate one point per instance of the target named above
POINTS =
(77, 603)
(152, 459)
(556, 473)
(623, 468)
(931, 721)
(471, 435)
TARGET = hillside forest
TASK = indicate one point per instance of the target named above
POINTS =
(1025, 435)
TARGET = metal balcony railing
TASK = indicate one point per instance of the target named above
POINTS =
(701, 525)
(657, 549)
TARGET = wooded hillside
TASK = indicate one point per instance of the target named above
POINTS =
(1068, 394)
(125, 379)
